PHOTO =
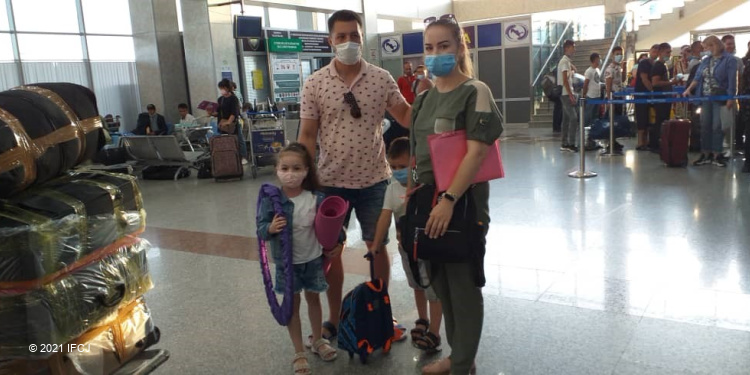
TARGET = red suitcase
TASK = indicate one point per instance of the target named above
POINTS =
(225, 158)
(675, 137)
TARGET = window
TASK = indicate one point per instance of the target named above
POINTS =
(46, 15)
(4, 17)
(111, 48)
(107, 16)
(250, 10)
(321, 22)
(283, 18)
(178, 6)
(417, 25)
(40, 47)
(6, 48)
(386, 26)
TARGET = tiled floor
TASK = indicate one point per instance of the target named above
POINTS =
(641, 270)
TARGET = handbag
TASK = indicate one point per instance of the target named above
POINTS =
(448, 149)
(455, 246)
(556, 92)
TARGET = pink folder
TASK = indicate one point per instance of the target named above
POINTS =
(447, 151)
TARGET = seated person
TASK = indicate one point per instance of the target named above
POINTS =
(151, 123)
(186, 119)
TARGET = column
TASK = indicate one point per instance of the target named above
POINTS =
(199, 55)
(158, 54)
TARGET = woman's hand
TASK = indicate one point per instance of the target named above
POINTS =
(277, 225)
(730, 104)
(687, 93)
(440, 218)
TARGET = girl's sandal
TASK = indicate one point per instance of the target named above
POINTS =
(430, 343)
(301, 366)
(417, 332)
(324, 349)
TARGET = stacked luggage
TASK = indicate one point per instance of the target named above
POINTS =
(72, 268)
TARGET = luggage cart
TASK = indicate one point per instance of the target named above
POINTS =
(266, 138)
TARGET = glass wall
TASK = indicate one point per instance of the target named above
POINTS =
(88, 42)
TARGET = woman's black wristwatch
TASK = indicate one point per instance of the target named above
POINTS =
(450, 197)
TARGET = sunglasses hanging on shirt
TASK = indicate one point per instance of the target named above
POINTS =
(352, 101)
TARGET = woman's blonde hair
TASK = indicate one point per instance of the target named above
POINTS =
(463, 59)
(713, 39)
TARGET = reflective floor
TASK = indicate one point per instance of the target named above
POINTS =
(641, 270)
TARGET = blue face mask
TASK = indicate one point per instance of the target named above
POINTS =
(401, 175)
(440, 65)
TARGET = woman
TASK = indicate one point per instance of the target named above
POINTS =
(229, 116)
(457, 102)
(716, 76)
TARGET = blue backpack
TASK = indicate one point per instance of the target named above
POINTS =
(366, 318)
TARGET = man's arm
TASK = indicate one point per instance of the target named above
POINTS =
(646, 81)
(586, 86)
(308, 135)
(381, 229)
(402, 113)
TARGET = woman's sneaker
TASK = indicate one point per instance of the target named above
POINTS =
(703, 160)
(721, 161)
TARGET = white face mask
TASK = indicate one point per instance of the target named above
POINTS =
(291, 179)
(618, 58)
(348, 53)
(420, 76)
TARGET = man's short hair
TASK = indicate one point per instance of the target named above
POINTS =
(569, 43)
(344, 15)
(617, 48)
(182, 106)
(594, 56)
(727, 37)
(151, 106)
(664, 46)
(656, 46)
(696, 44)
(398, 147)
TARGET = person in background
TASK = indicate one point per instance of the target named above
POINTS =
(746, 59)
(696, 54)
(614, 81)
(405, 83)
(682, 67)
(228, 114)
(151, 123)
(186, 119)
(643, 84)
(421, 76)
(717, 76)
(634, 71)
(592, 89)
(237, 93)
(565, 71)
(744, 117)
(661, 81)
(730, 119)
(342, 111)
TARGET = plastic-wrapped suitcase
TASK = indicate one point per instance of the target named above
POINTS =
(675, 137)
(226, 163)
(73, 303)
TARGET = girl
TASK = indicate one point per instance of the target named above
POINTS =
(299, 199)
(457, 102)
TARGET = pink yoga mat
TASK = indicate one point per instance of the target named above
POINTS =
(328, 223)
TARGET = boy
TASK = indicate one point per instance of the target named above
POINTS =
(424, 336)
(186, 119)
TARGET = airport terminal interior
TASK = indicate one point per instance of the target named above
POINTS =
(129, 252)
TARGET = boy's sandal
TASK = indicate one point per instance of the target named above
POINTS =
(332, 333)
(429, 343)
(324, 349)
(417, 332)
(301, 366)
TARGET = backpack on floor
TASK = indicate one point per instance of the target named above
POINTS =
(366, 318)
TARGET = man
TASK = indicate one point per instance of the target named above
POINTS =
(661, 81)
(592, 88)
(186, 119)
(643, 84)
(565, 71)
(151, 123)
(405, 83)
(343, 106)
(696, 54)
(615, 81)
(730, 121)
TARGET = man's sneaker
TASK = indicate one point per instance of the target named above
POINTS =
(572, 148)
(566, 148)
(703, 160)
(720, 162)
(244, 162)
